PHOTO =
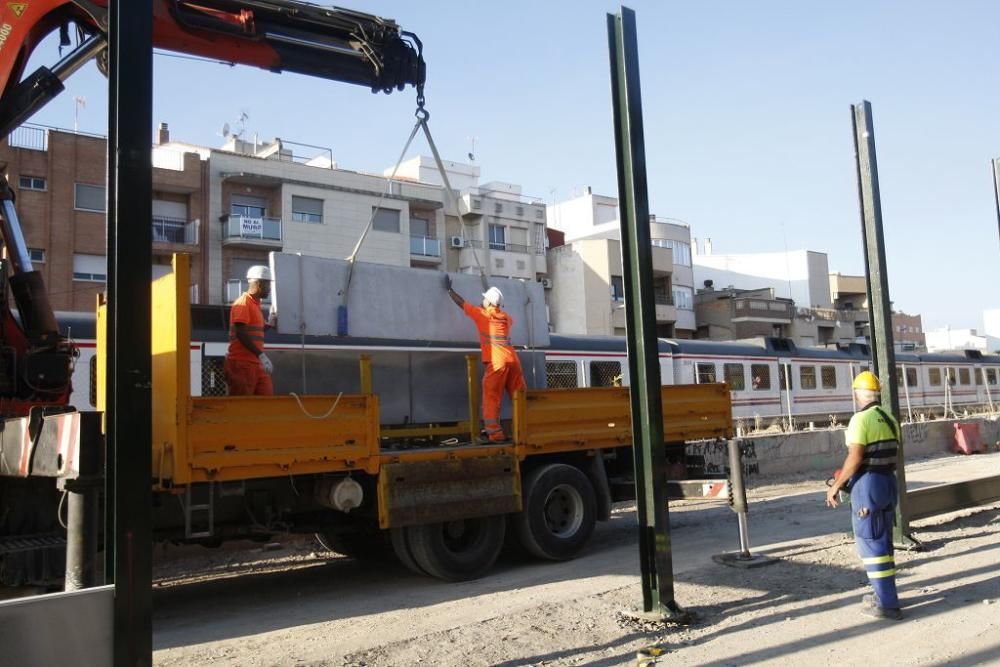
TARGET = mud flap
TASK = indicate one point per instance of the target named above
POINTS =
(422, 492)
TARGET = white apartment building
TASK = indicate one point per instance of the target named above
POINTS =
(800, 275)
(501, 232)
(595, 217)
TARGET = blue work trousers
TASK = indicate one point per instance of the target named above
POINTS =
(873, 506)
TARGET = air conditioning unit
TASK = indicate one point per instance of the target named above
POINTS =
(457, 242)
(546, 283)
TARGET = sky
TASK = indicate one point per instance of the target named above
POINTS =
(746, 111)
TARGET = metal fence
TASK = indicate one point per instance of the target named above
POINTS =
(213, 377)
(561, 374)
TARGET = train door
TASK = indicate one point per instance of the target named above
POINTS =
(786, 387)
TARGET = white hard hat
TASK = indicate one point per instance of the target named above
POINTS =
(494, 296)
(259, 272)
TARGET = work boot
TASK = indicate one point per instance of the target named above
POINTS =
(889, 613)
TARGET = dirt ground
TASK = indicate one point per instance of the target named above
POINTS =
(298, 605)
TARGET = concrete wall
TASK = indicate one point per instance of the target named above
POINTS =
(822, 452)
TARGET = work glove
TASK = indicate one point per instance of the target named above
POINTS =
(266, 363)
(447, 283)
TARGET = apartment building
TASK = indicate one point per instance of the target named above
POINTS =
(591, 217)
(58, 177)
(501, 232)
(849, 293)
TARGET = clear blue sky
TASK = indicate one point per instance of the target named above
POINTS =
(746, 115)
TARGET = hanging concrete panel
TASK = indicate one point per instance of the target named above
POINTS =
(394, 302)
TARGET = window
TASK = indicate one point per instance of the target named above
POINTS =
(761, 374)
(386, 220)
(477, 204)
(605, 374)
(734, 376)
(30, 183)
(681, 250)
(307, 209)
(539, 214)
(978, 373)
(991, 376)
(683, 296)
(963, 375)
(784, 378)
(498, 237)
(952, 376)
(899, 375)
(498, 208)
(422, 227)
(617, 288)
(247, 206)
(539, 239)
(518, 239)
(705, 373)
(828, 375)
(934, 375)
(89, 198)
(37, 255)
(560, 374)
(807, 377)
(92, 268)
(520, 211)
(911, 377)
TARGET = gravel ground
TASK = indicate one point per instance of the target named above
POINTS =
(293, 604)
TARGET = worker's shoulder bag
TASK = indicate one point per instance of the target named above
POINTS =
(888, 422)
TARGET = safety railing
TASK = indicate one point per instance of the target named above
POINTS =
(175, 230)
(253, 228)
(425, 246)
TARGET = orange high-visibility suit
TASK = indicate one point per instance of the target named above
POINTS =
(503, 368)
(244, 373)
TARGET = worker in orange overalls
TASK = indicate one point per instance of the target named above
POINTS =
(503, 368)
(248, 370)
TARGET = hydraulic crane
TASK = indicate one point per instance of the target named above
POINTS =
(277, 35)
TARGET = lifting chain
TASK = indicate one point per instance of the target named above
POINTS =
(422, 114)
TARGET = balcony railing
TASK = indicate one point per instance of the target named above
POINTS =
(175, 230)
(425, 246)
(764, 309)
(30, 137)
(253, 228)
(663, 298)
(834, 314)
(502, 246)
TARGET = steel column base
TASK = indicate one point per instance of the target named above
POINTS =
(673, 615)
(745, 561)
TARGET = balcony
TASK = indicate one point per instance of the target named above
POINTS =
(251, 232)
(175, 231)
(763, 310)
(425, 246)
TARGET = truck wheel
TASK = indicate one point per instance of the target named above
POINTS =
(401, 547)
(457, 550)
(363, 545)
(560, 511)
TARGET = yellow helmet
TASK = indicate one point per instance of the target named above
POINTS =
(866, 380)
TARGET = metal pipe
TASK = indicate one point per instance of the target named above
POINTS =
(472, 381)
(79, 57)
(738, 493)
(82, 509)
(17, 247)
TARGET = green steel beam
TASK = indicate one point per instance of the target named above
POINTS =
(879, 304)
(656, 564)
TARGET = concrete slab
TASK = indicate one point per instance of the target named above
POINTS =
(394, 302)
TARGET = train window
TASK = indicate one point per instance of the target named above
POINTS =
(605, 374)
(829, 376)
(899, 375)
(784, 378)
(912, 380)
(213, 377)
(706, 373)
(952, 376)
(963, 375)
(934, 375)
(978, 373)
(560, 374)
(734, 376)
(991, 376)
(807, 377)
(761, 374)
(93, 381)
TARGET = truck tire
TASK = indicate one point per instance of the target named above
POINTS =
(560, 511)
(457, 550)
(401, 547)
(363, 545)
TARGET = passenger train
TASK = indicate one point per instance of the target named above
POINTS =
(773, 382)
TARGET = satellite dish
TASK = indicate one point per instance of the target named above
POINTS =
(225, 129)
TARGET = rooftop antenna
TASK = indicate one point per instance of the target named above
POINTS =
(81, 103)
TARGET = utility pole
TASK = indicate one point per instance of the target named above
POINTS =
(655, 559)
(877, 278)
(129, 363)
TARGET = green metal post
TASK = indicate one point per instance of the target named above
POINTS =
(879, 305)
(655, 558)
